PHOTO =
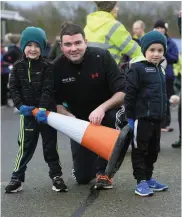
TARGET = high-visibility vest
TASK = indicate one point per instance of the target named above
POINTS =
(178, 66)
(102, 30)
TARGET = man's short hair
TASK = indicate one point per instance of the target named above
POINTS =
(140, 23)
(71, 29)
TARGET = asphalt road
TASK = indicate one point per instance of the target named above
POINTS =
(38, 200)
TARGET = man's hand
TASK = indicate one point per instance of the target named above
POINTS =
(97, 116)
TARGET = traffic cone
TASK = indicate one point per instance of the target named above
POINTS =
(106, 142)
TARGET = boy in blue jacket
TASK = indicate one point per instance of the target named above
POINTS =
(145, 104)
(31, 85)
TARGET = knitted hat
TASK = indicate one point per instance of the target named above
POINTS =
(33, 34)
(105, 5)
(162, 24)
(152, 38)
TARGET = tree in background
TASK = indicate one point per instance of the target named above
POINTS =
(50, 15)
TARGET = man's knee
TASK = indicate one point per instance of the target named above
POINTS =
(82, 178)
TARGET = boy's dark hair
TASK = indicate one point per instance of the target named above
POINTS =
(71, 29)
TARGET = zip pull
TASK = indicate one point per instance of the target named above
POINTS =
(29, 66)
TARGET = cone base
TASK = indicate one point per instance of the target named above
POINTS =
(119, 151)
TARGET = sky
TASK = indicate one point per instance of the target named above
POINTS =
(24, 3)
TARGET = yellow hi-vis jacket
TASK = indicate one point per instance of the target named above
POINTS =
(102, 30)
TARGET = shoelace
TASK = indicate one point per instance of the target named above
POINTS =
(12, 182)
(144, 185)
(104, 177)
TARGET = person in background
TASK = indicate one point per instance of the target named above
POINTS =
(145, 104)
(104, 31)
(32, 85)
(14, 52)
(138, 30)
(56, 50)
(4, 78)
(177, 144)
(171, 57)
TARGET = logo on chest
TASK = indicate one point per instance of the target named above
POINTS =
(150, 69)
(96, 75)
(68, 80)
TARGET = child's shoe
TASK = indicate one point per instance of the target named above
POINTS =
(14, 186)
(143, 189)
(156, 186)
(59, 185)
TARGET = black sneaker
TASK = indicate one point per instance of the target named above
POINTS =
(177, 144)
(103, 182)
(14, 186)
(59, 185)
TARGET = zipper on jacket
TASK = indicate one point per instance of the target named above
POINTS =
(148, 112)
(161, 90)
(29, 66)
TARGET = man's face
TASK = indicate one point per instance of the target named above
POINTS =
(137, 30)
(74, 47)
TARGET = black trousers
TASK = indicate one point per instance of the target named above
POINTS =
(4, 89)
(87, 164)
(27, 140)
(145, 147)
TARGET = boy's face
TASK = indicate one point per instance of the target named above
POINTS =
(32, 50)
(154, 53)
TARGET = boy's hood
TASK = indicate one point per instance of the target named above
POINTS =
(98, 19)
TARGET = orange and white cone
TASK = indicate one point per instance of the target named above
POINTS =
(106, 142)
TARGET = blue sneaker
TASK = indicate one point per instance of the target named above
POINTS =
(156, 186)
(143, 189)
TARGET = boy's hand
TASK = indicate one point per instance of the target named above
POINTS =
(41, 116)
(26, 110)
(131, 123)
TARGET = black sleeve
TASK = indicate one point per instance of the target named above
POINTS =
(57, 84)
(115, 76)
(179, 24)
(47, 87)
(132, 86)
(15, 87)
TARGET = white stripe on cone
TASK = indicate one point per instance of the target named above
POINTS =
(71, 127)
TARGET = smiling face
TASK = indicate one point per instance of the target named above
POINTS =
(73, 47)
(154, 53)
(32, 50)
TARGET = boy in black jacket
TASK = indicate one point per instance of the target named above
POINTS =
(31, 85)
(145, 104)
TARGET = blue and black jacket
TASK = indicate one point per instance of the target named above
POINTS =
(145, 91)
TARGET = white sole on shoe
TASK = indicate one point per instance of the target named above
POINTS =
(15, 191)
(144, 195)
(59, 190)
(160, 189)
